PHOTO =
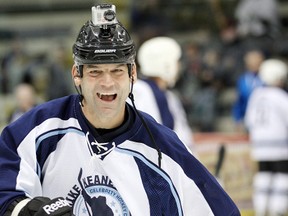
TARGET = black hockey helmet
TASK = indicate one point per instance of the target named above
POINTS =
(103, 41)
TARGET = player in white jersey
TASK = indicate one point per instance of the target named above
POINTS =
(93, 154)
(159, 61)
(267, 122)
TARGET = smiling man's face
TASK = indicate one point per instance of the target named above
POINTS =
(105, 88)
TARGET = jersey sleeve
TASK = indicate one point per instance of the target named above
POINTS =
(18, 165)
(199, 191)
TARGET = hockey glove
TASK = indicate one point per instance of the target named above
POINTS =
(41, 206)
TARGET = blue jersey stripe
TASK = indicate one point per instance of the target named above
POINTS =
(157, 170)
(56, 132)
(52, 133)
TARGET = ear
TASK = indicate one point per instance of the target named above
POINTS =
(75, 75)
(134, 73)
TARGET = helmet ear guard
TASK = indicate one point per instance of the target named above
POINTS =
(79, 69)
(130, 68)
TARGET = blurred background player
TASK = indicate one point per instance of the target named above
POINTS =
(246, 83)
(267, 122)
(158, 59)
(25, 98)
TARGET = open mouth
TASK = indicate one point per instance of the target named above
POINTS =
(107, 97)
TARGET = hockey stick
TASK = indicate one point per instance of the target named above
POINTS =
(221, 156)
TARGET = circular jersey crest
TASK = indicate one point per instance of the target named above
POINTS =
(100, 196)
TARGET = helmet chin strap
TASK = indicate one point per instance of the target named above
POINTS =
(131, 97)
(79, 91)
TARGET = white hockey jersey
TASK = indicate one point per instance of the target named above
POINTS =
(164, 107)
(267, 122)
(53, 151)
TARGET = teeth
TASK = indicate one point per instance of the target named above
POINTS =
(101, 95)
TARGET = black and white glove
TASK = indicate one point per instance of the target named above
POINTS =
(43, 206)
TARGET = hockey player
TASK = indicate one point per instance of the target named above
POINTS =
(159, 60)
(94, 154)
(267, 123)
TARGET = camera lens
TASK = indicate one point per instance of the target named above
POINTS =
(109, 15)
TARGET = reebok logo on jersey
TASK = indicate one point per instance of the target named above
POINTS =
(60, 203)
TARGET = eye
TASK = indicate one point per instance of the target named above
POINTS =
(94, 73)
(118, 71)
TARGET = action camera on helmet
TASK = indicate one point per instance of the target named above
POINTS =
(104, 14)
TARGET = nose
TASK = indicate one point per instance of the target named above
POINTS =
(107, 79)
